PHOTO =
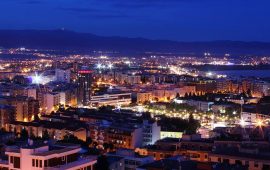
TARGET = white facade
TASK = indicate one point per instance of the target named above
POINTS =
(63, 98)
(251, 119)
(151, 132)
(50, 101)
(170, 134)
(120, 99)
(41, 158)
(200, 105)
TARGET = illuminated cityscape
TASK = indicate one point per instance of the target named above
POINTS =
(73, 100)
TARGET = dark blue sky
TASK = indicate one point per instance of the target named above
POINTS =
(183, 20)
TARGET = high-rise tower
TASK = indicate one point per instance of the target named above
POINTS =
(84, 83)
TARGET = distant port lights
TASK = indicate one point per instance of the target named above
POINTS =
(103, 66)
(110, 66)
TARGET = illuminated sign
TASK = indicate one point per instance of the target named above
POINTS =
(85, 71)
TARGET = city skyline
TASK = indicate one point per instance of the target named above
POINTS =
(80, 89)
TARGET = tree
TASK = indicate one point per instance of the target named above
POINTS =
(249, 93)
(24, 134)
(193, 125)
(2, 130)
(105, 108)
(177, 95)
(102, 163)
(108, 146)
(73, 139)
(244, 95)
(10, 142)
(45, 135)
(32, 136)
(105, 146)
(89, 141)
(143, 79)
(36, 118)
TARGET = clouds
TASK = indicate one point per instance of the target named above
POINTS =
(32, 2)
(157, 19)
(93, 12)
(110, 9)
(104, 8)
(23, 2)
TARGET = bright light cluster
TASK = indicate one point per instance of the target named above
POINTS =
(101, 66)
(37, 79)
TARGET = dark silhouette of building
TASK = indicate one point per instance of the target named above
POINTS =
(84, 83)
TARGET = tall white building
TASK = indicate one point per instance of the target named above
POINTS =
(150, 132)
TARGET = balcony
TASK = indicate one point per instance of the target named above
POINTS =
(81, 162)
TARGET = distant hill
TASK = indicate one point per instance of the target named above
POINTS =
(69, 40)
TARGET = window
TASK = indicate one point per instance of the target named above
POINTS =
(33, 163)
(238, 162)
(219, 159)
(45, 163)
(40, 163)
(256, 164)
(126, 162)
(17, 162)
(11, 159)
(131, 162)
(227, 161)
(36, 163)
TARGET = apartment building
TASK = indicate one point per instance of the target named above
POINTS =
(111, 99)
(44, 157)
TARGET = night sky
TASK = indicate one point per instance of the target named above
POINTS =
(183, 20)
